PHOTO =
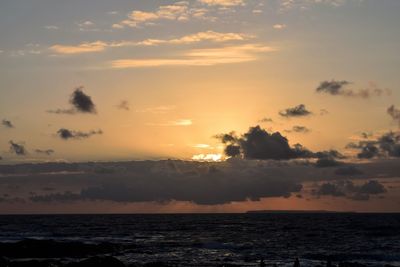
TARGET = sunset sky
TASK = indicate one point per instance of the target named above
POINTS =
(132, 80)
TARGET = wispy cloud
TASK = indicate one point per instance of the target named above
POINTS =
(200, 57)
(225, 3)
(180, 122)
(51, 27)
(99, 46)
(88, 47)
(157, 110)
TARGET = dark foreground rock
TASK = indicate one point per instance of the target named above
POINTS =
(31, 248)
(98, 262)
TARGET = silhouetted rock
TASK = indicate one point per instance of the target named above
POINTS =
(156, 264)
(351, 264)
(33, 263)
(98, 262)
(296, 263)
(31, 248)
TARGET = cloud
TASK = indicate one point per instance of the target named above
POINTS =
(47, 152)
(167, 180)
(297, 111)
(66, 134)
(157, 110)
(100, 46)
(335, 88)
(51, 27)
(164, 181)
(327, 163)
(81, 102)
(124, 104)
(7, 123)
(350, 190)
(394, 113)
(348, 171)
(386, 145)
(299, 129)
(257, 143)
(200, 57)
(179, 11)
(279, 26)
(224, 3)
(88, 47)
(181, 122)
(18, 149)
(266, 119)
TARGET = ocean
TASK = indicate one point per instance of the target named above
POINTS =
(206, 239)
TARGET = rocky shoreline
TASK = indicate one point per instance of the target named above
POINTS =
(50, 253)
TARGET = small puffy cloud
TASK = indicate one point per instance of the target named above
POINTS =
(265, 120)
(297, 111)
(81, 102)
(18, 149)
(335, 88)
(124, 104)
(279, 26)
(224, 3)
(299, 129)
(47, 152)
(394, 113)
(7, 123)
(66, 134)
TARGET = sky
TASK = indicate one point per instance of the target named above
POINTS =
(199, 106)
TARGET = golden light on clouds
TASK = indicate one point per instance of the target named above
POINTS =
(200, 57)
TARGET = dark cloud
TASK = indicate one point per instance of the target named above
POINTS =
(173, 180)
(69, 134)
(7, 123)
(62, 111)
(340, 88)
(348, 171)
(297, 111)
(299, 129)
(81, 102)
(327, 162)
(168, 180)
(47, 152)
(18, 149)
(332, 87)
(257, 143)
(350, 190)
(387, 145)
(124, 105)
(266, 119)
(394, 113)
